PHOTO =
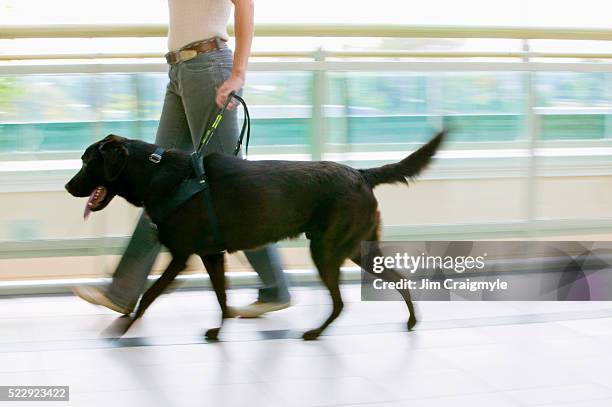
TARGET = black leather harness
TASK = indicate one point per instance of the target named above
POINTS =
(193, 185)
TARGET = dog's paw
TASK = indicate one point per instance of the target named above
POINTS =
(412, 321)
(212, 334)
(311, 335)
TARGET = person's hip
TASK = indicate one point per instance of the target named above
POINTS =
(202, 49)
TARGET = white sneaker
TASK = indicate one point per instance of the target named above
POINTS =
(97, 296)
(258, 308)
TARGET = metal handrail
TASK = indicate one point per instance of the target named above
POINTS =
(316, 30)
(137, 55)
(329, 54)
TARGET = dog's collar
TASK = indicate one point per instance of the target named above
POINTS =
(156, 156)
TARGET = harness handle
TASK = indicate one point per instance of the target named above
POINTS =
(246, 126)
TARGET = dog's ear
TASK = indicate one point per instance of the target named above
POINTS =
(111, 138)
(115, 155)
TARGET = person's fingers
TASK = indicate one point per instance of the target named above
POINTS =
(224, 91)
(230, 105)
(223, 94)
(221, 97)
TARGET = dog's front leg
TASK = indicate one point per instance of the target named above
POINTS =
(119, 327)
(215, 266)
(176, 266)
(124, 323)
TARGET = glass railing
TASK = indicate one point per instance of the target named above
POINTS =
(44, 113)
(528, 152)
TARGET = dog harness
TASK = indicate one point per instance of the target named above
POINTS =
(194, 185)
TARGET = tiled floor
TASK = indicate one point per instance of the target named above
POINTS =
(462, 354)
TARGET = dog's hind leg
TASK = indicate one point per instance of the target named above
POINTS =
(328, 265)
(389, 275)
(215, 266)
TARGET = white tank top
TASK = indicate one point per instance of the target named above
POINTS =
(193, 20)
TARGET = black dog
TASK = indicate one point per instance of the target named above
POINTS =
(256, 202)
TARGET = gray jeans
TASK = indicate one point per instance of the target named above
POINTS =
(188, 105)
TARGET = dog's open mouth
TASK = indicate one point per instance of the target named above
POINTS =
(97, 201)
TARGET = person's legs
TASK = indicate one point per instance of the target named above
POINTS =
(267, 262)
(130, 277)
(198, 79)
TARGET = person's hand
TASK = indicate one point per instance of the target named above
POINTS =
(232, 84)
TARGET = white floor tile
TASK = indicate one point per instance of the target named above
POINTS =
(432, 384)
(474, 400)
(560, 394)
(322, 392)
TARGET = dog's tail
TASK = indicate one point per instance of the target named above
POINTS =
(406, 169)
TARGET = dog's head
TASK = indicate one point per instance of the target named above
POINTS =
(103, 164)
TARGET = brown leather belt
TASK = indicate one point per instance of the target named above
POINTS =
(192, 50)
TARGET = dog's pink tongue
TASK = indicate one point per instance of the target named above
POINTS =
(87, 205)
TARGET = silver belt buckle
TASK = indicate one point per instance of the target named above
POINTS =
(187, 54)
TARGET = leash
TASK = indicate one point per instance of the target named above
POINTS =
(246, 126)
(197, 161)
(192, 186)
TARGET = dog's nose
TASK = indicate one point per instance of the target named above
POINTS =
(67, 186)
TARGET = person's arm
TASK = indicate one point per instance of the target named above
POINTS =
(243, 32)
